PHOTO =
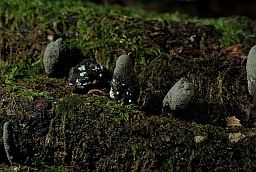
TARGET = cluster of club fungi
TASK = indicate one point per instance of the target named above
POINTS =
(124, 85)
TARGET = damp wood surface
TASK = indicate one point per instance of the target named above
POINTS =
(55, 129)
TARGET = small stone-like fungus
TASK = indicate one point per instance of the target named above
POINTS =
(251, 73)
(8, 140)
(52, 56)
(179, 95)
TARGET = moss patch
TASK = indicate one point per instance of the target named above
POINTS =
(56, 129)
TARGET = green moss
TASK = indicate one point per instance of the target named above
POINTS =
(231, 29)
(92, 32)
(6, 168)
(93, 132)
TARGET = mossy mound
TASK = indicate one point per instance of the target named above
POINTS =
(93, 133)
(55, 127)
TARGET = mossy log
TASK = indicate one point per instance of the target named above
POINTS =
(53, 126)
(89, 134)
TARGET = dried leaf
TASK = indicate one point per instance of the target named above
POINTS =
(232, 121)
(97, 92)
(234, 48)
(156, 28)
(235, 137)
(156, 34)
(200, 138)
(176, 51)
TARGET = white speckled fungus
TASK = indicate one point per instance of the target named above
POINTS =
(124, 83)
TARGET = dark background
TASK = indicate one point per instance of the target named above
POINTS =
(200, 8)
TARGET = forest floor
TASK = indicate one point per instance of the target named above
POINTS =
(57, 129)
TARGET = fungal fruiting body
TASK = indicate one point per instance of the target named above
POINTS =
(8, 141)
(251, 73)
(124, 83)
(86, 74)
(179, 95)
(51, 56)
(54, 58)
